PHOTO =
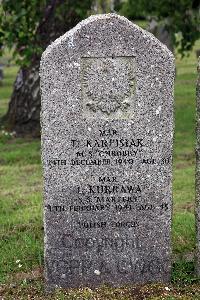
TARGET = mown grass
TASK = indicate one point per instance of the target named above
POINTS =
(6, 88)
(33, 289)
(21, 232)
(183, 234)
(20, 205)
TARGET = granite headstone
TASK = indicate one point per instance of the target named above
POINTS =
(198, 170)
(107, 135)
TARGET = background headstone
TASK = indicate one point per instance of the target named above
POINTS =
(107, 135)
(198, 170)
(161, 33)
(1, 73)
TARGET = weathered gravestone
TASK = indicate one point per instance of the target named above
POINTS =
(198, 171)
(107, 132)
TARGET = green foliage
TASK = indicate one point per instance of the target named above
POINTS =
(28, 26)
(179, 16)
(19, 21)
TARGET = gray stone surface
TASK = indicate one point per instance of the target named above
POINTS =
(107, 135)
(198, 170)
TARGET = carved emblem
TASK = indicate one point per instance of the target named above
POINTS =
(108, 84)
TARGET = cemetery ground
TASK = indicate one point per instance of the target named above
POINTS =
(21, 230)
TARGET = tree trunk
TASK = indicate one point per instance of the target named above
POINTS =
(24, 108)
(23, 116)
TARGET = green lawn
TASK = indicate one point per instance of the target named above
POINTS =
(184, 156)
(21, 231)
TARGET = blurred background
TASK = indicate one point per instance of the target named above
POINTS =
(27, 27)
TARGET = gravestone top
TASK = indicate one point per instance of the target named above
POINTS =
(198, 169)
(107, 137)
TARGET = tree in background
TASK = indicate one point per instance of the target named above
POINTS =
(176, 16)
(28, 27)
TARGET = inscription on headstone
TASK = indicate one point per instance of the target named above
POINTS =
(198, 170)
(107, 135)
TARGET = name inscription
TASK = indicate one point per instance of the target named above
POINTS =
(126, 265)
(109, 194)
(109, 150)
